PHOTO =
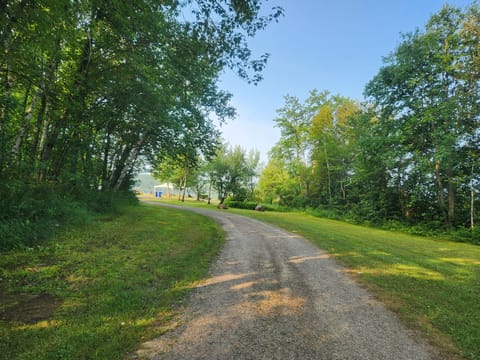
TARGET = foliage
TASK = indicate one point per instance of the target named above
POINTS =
(232, 172)
(431, 283)
(89, 89)
(408, 155)
(275, 183)
(293, 148)
(97, 291)
(247, 205)
(310, 163)
(428, 96)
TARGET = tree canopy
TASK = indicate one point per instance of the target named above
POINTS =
(87, 88)
(409, 153)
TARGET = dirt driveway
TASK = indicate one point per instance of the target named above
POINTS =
(274, 295)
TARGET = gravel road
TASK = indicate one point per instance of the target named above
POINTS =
(274, 295)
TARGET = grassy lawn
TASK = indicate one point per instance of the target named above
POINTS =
(100, 290)
(434, 285)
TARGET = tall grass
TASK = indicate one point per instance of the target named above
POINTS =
(31, 213)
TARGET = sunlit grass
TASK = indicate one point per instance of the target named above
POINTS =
(111, 285)
(434, 285)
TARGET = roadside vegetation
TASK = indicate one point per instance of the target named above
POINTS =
(91, 90)
(406, 158)
(99, 290)
(433, 284)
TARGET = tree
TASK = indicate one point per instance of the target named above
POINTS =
(87, 89)
(313, 149)
(423, 90)
(331, 149)
(232, 172)
(275, 184)
(294, 120)
(97, 85)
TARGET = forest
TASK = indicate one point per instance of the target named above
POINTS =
(409, 154)
(406, 158)
(92, 90)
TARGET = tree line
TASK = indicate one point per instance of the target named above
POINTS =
(409, 153)
(90, 88)
(231, 172)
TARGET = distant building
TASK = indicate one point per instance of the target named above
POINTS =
(166, 190)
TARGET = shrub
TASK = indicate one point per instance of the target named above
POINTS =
(251, 205)
(247, 205)
(31, 213)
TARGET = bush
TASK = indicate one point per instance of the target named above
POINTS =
(247, 205)
(251, 205)
(275, 207)
(31, 213)
(465, 235)
(329, 213)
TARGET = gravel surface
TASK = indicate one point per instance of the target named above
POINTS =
(274, 295)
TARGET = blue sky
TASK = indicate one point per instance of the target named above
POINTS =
(334, 45)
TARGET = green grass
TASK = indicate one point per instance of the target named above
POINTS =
(100, 290)
(434, 285)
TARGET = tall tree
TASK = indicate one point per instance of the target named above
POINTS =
(232, 171)
(294, 121)
(88, 88)
(422, 89)
(331, 156)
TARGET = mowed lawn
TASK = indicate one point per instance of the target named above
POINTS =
(434, 285)
(100, 290)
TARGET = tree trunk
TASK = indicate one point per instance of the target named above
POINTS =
(126, 168)
(472, 202)
(106, 153)
(23, 130)
(168, 190)
(451, 197)
(42, 145)
(440, 195)
(343, 190)
(184, 188)
(130, 162)
(328, 174)
(38, 132)
(209, 191)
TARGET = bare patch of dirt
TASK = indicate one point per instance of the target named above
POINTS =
(28, 308)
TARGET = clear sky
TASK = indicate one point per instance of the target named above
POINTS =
(334, 45)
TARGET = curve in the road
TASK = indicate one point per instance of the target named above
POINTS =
(274, 295)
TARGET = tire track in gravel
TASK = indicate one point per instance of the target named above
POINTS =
(274, 295)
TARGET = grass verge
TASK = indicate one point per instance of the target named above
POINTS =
(98, 291)
(433, 284)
